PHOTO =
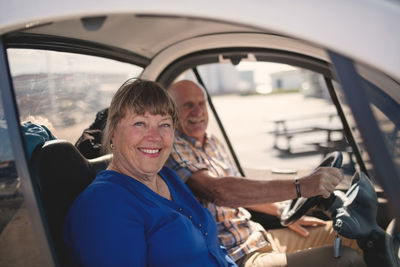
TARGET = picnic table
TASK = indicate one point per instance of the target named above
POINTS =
(286, 129)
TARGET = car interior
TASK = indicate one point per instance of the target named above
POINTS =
(62, 172)
(245, 71)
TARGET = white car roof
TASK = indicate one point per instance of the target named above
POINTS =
(364, 30)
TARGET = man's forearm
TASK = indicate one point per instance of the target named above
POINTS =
(240, 192)
(231, 192)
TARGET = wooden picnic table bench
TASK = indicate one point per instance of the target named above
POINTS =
(282, 130)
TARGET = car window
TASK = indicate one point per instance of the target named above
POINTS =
(64, 91)
(17, 240)
(278, 117)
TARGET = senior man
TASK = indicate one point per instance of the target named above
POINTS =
(204, 165)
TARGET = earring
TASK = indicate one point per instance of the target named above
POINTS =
(112, 146)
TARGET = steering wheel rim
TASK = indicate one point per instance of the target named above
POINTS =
(299, 206)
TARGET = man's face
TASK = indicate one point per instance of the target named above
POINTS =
(192, 108)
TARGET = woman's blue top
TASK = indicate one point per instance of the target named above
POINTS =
(118, 221)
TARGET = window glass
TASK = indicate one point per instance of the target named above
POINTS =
(385, 104)
(278, 117)
(64, 91)
(383, 94)
(17, 240)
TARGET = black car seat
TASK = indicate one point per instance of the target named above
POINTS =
(61, 173)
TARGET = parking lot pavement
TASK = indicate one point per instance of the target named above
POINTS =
(249, 120)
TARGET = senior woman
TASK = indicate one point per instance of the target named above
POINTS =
(137, 212)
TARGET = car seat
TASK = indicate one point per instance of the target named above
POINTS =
(61, 173)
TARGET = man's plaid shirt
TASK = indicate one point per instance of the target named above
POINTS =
(236, 231)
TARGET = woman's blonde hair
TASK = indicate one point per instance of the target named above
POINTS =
(138, 96)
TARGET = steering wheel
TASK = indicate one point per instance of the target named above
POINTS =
(298, 207)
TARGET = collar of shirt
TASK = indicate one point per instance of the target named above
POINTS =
(196, 143)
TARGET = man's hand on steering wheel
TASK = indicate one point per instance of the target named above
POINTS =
(299, 228)
(314, 188)
(321, 181)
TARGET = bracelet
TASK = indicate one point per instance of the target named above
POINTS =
(297, 184)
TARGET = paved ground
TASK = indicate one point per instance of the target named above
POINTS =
(249, 119)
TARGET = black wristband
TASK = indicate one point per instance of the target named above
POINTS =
(297, 184)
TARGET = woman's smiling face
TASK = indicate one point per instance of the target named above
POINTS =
(142, 143)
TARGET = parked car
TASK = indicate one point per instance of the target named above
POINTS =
(288, 84)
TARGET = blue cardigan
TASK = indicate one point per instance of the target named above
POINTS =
(118, 221)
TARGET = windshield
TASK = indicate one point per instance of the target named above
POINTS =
(278, 117)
